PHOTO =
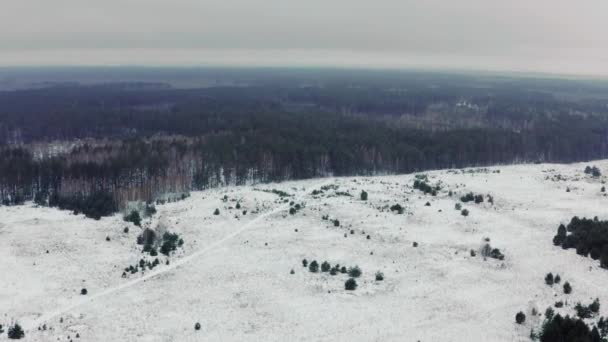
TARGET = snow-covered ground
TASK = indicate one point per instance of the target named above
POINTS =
(233, 273)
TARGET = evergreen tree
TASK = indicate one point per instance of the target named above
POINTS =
(363, 195)
(567, 288)
(313, 267)
(350, 284)
(16, 332)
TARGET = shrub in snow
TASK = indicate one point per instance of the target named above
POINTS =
(350, 284)
(595, 306)
(520, 318)
(197, 326)
(238, 205)
(472, 197)
(134, 218)
(216, 212)
(336, 223)
(16, 332)
(559, 304)
(583, 311)
(593, 171)
(379, 276)
(557, 279)
(325, 266)
(313, 267)
(354, 272)
(549, 313)
(415, 244)
(567, 288)
(363, 195)
(458, 206)
(292, 211)
(496, 254)
(343, 269)
(398, 208)
(549, 279)
(464, 212)
(334, 271)
(126, 230)
(304, 262)
(84, 292)
(170, 243)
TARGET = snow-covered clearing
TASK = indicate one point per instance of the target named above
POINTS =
(233, 273)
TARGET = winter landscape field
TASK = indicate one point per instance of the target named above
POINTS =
(237, 271)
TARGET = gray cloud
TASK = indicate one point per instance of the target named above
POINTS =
(537, 35)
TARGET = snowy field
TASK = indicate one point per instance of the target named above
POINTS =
(232, 274)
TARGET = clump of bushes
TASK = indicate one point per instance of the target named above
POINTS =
(421, 184)
(488, 252)
(295, 207)
(354, 272)
(350, 284)
(559, 328)
(398, 208)
(587, 311)
(95, 205)
(593, 171)
(588, 236)
(133, 217)
(280, 193)
(170, 243)
(15, 332)
(477, 198)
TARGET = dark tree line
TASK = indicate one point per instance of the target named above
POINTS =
(276, 148)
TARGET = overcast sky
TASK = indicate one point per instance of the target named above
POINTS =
(558, 36)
